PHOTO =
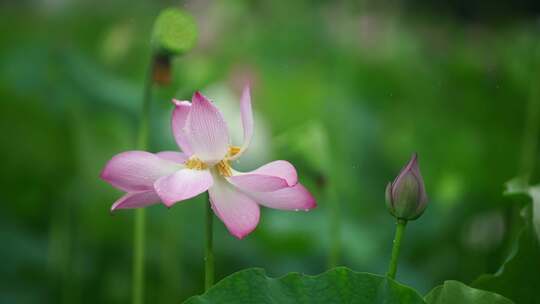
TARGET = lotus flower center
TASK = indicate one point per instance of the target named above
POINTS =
(223, 167)
(233, 150)
(195, 163)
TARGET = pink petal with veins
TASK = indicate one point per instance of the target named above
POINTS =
(183, 184)
(247, 120)
(136, 200)
(257, 182)
(178, 124)
(270, 177)
(177, 157)
(206, 130)
(137, 170)
(292, 198)
(237, 211)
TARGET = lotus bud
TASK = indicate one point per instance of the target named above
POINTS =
(406, 196)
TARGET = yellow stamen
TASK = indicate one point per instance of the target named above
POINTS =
(224, 168)
(233, 150)
(195, 164)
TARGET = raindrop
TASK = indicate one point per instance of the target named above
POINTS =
(296, 210)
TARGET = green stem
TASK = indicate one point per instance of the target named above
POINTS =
(532, 126)
(138, 257)
(208, 252)
(139, 229)
(400, 229)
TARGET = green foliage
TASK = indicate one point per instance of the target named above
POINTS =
(518, 277)
(338, 285)
(175, 32)
(364, 88)
(454, 292)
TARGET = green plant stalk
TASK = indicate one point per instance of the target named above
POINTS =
(140, 215)
(138, 257)
(532, 126)
(208, 251)
(400, 230)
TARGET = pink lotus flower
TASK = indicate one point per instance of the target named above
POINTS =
(202, 135)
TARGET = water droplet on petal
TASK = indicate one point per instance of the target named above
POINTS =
(296, 210)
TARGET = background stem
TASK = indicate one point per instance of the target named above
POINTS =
(400, 229)
(532, 126)
(208, 252)
(139, 225)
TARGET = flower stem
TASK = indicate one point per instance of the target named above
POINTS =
(400, 229)
(138, 257)
(208, 252)
(139, 229)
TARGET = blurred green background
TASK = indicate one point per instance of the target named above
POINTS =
(345, 90)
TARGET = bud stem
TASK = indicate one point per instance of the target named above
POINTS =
(400, 229)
